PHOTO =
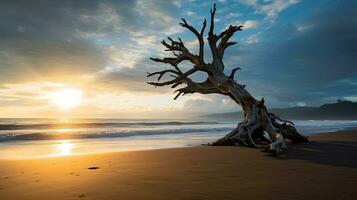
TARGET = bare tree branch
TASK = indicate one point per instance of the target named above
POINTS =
(199, 37)
(225, 36)
(213, 12)
(193, 87)
(212, 38)
(178, 78)
(231, 76)
(203, 27)
(184, 54)
(161, 73)
(274, 117)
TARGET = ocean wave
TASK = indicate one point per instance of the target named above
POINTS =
(85, 130)
(104, 134)
(96, 125)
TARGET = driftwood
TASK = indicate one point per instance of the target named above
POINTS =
(257, 124)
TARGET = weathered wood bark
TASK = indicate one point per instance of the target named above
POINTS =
(257, 122)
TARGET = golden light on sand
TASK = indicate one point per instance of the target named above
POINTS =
(67, 98)
(65, 148)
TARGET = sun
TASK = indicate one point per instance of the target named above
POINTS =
(67, 98)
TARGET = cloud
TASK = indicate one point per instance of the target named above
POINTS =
(203, 104)
(314, 66)
(77, 37)
(270, 8)
(48, 60)
(104, 47)
(250, 24)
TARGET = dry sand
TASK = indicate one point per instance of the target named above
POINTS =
(325, 168)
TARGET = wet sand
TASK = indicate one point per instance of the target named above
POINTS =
(325, 168)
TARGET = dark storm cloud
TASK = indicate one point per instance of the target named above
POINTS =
(313, 60)
(41, 37)
(64, 20)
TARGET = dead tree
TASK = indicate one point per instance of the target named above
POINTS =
(257, 122)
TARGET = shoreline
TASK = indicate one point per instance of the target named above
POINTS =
(324, 168)
(59, 144)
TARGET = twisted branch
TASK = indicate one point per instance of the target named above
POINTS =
(275, 118)
(224, 37)
(184, 53)
(231, 76)
(212, 38)
(181, 53)
(198, 35)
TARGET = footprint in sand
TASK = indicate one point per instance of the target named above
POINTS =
(73, 174)
(81, 196)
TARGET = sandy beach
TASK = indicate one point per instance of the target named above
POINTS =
(325, 168)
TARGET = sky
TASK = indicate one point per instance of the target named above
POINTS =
(292, 53)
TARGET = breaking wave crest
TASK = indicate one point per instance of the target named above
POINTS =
(48, 135)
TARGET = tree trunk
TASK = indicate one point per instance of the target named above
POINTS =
(258, 124)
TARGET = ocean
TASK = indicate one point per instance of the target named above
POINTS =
(38, 138)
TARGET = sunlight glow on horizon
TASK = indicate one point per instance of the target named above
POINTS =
(67, 98)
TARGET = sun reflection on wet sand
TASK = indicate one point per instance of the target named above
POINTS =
(69, 147)
(63, 130)
(65, 148)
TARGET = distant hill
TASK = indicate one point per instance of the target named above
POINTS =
(341, 110)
